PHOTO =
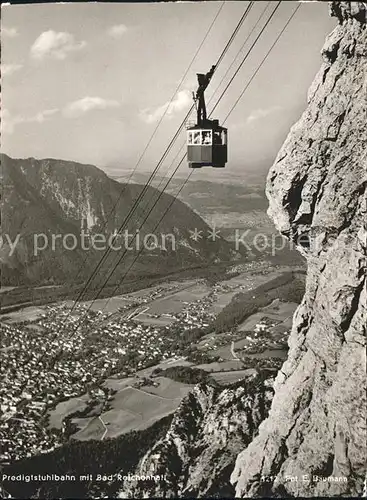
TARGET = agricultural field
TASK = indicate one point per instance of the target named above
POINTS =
(222, 300)
(242, 283)
(173, 303)
(168, 388)
(118, 384)
(172, 298)
(146, 319)
(35, 328)
(112, 304)
(230, 377)
(4, 289)
(163, 366)
(209, 342)
(117, 422)
(221, 366)
(133, 409)
(168, 286)
(249, 324)
(135, 403)
(66, 408)
(224, 352)
(279, 312)
(269, 353)
(109, 305)
(30, 313)
(90, 428)
(82, 422)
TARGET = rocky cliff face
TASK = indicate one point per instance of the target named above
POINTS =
(207, 432)
(316, 189)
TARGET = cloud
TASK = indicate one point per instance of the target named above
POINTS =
(72, 110)
(257, 114)
(117, 31)
(9, 69)
(81, 106)
(8, 122)
(181, 102)
(9, 32)
(56, 45)
(7, 126)
(44, 115)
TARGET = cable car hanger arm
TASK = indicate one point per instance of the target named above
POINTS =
(203, 80)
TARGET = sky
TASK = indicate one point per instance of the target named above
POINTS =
(89, 82)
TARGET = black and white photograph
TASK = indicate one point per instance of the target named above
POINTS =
(183, 301)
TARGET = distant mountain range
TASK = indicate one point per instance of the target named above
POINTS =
(235, 177)
(53, 198)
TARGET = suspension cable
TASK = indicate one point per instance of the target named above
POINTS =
(263, 61)
(143, 192)
(233, 107)
(155, 130)
(171, 177)
(235, 32)
(239, 51)
(226, 118)
(243, 17)
(248, 53)
(216, 90)
(220, 83)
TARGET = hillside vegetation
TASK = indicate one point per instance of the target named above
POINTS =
(289, 287)
(77, 458)
(48, 200)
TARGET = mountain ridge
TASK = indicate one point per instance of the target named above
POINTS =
(55, 197)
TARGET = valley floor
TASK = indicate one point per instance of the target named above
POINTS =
(120, 366)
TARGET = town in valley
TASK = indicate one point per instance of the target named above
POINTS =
(96, 370)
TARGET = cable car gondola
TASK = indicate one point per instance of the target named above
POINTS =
(206, 140)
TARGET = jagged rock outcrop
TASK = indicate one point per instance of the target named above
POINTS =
(316, 188)
(207, 432)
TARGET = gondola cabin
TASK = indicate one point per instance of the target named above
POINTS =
(206, 140)
(207, 145)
